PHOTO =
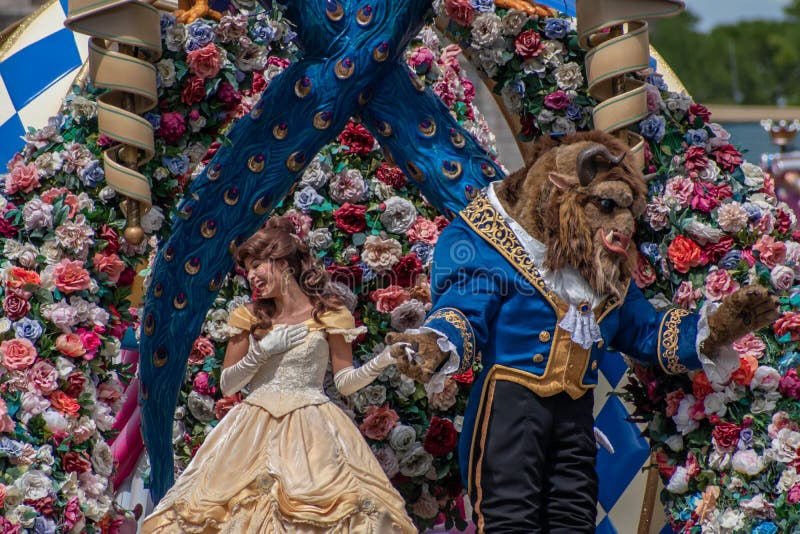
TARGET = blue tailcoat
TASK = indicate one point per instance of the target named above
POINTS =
(492, 303)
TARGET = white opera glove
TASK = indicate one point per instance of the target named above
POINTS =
(278, 340)
(238, 375)
(282, 338)
(350, 380)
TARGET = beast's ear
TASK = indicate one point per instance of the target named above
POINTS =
(562, 181)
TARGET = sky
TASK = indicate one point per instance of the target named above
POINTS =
(715, 12)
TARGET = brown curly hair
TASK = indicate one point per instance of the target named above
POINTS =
(275, 241)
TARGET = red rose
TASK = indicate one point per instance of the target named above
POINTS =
(357, 139)
(701, 386)
(229, 95)
(713, 252)
(441, 222)
(111, 238)
(441, 437)
(406, 270)
(528, 126)
(259, 83)
(195, 91)
(173, 126)
(728, 157)
(75, 462)
(126, 277)
(467, 377)
(75, 383)
(390, 175)
(528, 44)
(784, 222)
(201, 349)
(225, 404)
(695, 158)
(726, 434)
(351, 218)
(15, 306)
(789, 322)
(44, 505)
(460, 11)
(699, 111)
(684, 254)
(7, 229)
(350, 276)
(664, 467)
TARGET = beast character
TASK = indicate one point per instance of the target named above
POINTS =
(534, 279)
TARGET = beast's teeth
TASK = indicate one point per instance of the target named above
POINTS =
(610, 236)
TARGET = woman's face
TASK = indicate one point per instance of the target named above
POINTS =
(264, 277)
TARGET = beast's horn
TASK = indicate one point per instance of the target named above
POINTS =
(587, 169)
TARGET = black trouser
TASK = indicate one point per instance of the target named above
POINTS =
(533, 469)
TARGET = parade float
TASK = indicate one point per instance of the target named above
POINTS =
(93, 195)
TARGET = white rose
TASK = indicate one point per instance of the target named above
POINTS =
(683, 421)
(747, 462)
(166, 69)
(675, 442)
(5, 325)
(416, 462)
(54, 421)
(485, 30)
(679, 481)
(102, 459)
(320, 238)
(789, 478)
(399, 215)
(732, 520)
(569, 76)
(107, 193)
(765, 378)
(35, 484)
(753, 175)
(402, 437)
(152, 220)
(714, 403)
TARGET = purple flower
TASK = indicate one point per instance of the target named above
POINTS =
(574, 113)
(650, 250)
(167, 21)
(307, 197)
(653, 127)
(423, 251)
(154, 119)
(482, 6)
(93, 174)
(263, 32)
(199, 35)
(730, 260)
(556, 28)
(696, 137)
(178, 165)
(368, 274)
(27, 328)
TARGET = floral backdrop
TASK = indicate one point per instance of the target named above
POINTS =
(728, 453)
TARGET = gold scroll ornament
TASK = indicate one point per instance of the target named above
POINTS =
(616, 36)
(125, 38)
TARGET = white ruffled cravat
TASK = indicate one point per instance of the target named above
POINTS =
(567, 283)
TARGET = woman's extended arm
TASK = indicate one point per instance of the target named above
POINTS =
(347, 379)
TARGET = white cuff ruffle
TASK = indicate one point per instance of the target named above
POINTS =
(719, 369)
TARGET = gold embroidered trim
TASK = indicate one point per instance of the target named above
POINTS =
(456, 318)
(490, 225)
(668, 335)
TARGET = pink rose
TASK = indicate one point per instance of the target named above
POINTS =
(24, 178)
(90, 340)
(460, 11)
(6, 425)
(18, 354)
(379, 421)
(72, 513)
(42, 378)
(557, 100)
(422, 56)
(201, 384)
(720, 284)
(70, 276)
(70, 345)
(793, 497)
(423, 230)
(109, 264)
(770, 251)
(680, 189)
(15, 306)
(750, 345)
(674, 399)
(686, 296)
(782, 277)
(389, 298)
(302, 222)
(226, 404)
(790, 384)
(204, 62)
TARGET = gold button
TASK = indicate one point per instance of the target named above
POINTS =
(544, 336)
(570, 366)
(538, 358)
(600, 344)
(594, 366)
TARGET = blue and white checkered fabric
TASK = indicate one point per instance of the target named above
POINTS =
(35, 75)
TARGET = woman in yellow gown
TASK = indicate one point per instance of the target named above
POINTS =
(286, 459)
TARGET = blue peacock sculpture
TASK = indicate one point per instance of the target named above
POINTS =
(351, 67)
